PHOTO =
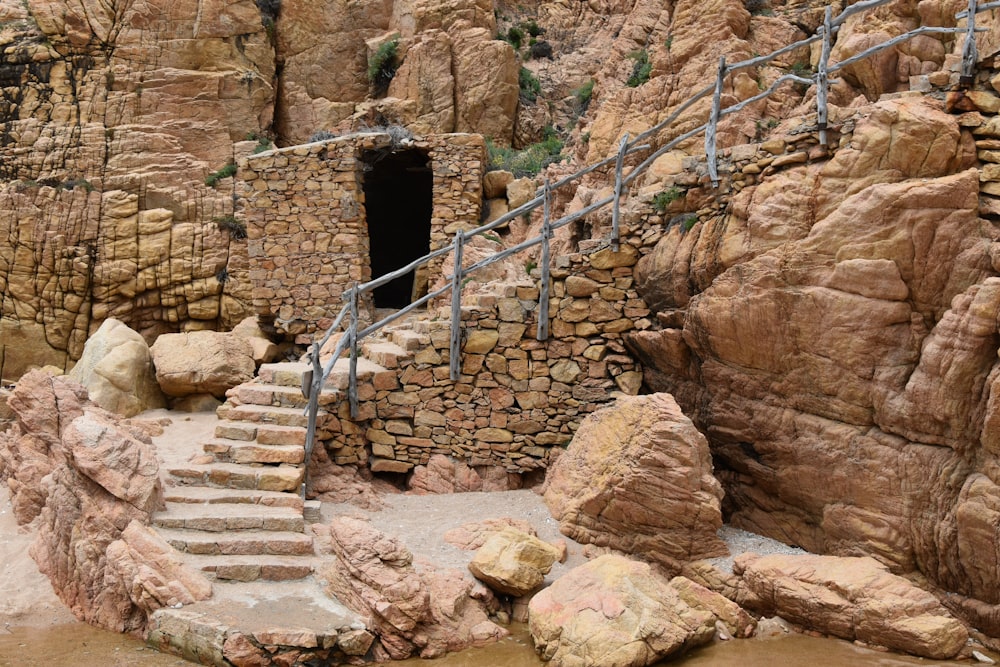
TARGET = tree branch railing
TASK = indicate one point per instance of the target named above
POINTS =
(316, 377)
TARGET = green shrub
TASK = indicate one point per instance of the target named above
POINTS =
(530, 266)
(689, 222)
(583, 95)
(515, 36)
(228, 223)
(382, 66)
(212, 179)
(263, 144)
(640, 70)
(528, 161)
(664, 199)
(532, 28)
(529, 84)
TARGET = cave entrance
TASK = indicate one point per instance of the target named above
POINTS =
(398, 203)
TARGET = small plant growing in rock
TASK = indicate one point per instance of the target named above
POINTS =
(263, 144)
(212, 179)
(583, 95)
(664, 199)
(689, 222)
(801, 68)
(528, 161)
(641, 69)
(515, 36)
(228, 223)
(492, 237)
(529, 85)
(222, 275)
(530, 266)
(382, 66)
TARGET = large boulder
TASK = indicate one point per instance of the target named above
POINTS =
(201, 362)
(409, 612)
(83, 476)
(614, 611)
(853, 598)
(638, 477)
(513, 562)
(117, 370)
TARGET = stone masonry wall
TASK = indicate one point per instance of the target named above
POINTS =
(303, 208)
(517, 398)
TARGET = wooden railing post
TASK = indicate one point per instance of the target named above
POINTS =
(543, 291)
(315, 383)
(618, 193)
(352, 332)
(822, 79)
(969, 53)
(713, 123)
(454, 359)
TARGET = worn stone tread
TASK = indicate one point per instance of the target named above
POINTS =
(239, 476)
(264, 414)
(220, 517)
(234, 451)
(238, 543)
(213, 495)
(254, 568)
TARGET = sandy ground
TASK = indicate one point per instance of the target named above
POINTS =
(27, 599)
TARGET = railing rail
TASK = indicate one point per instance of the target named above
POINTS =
(352, 296)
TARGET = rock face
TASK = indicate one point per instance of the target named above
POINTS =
(638, 477)
(410, 613)
(513, 562)
(834, 336)
(117, 370)
(85, 477)
(853, 598)
(201, 362)
(615, 611)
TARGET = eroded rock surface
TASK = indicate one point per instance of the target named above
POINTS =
(84, 477)
(638, 477)
(853, 598)
(513, 562)
(615, 611)
(202, 362)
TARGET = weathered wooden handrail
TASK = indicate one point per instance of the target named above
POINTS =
(354, 334)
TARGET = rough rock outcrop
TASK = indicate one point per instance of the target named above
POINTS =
(853, 598)
(410, 613)
(615, 611)
(85, 476)
(147, 567)
(201, 362)
(471, 536)
(834, 336)
(638, 477)
(117, 370)
(513, 562)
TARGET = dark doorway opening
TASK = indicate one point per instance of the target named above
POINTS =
(398, 203)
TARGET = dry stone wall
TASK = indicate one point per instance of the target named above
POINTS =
(305, 218)
(516, 398)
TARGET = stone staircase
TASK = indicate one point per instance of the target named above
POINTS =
(235, 511)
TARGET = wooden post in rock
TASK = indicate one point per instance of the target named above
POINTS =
(713, 124)
(456, 308)
(543, 291)
(352, 332)
(822, 80)
(969, 52)
(315, 383)
(615, 244)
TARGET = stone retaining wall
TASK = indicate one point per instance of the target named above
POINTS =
(517, 397)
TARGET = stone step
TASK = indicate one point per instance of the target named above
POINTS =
(254, 568)
(284, 374)
(235, 451)
(271, 434)
(239, 543)
(219, 517)
(263, 414)
(385, 354)
(367, 369)
(409, 340)
(252, 393)
(213, 495)
(231, 430)
(238, 476)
